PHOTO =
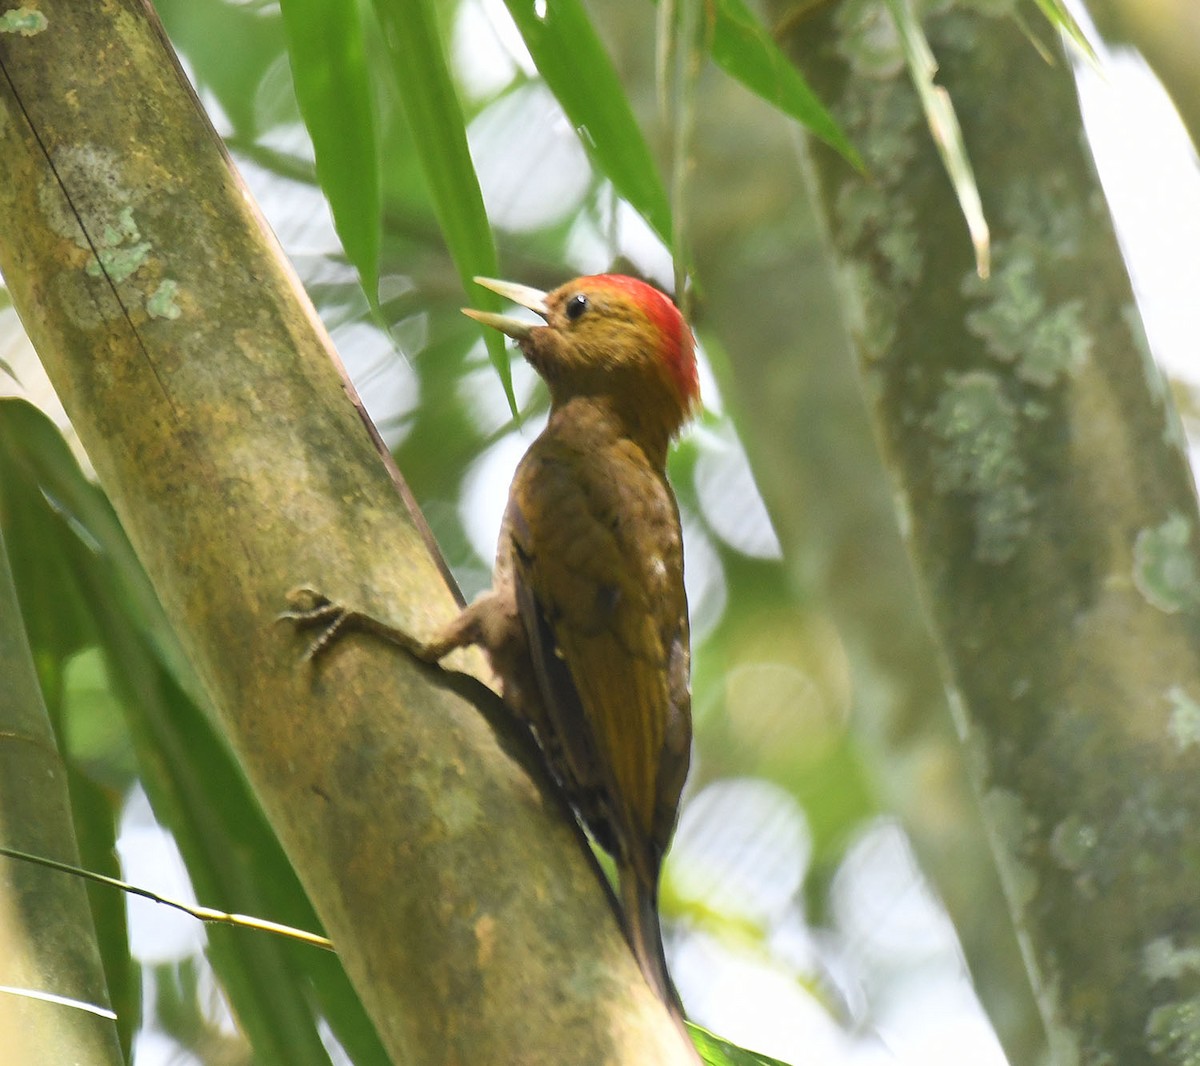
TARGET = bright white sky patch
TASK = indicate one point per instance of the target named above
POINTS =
(1152, 181)
(730, 498)
(532, 169)
(150, 859)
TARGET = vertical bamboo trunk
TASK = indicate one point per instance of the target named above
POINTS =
(1048, 506)
(460, 897)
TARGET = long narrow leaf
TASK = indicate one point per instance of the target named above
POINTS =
(574, 64)
(943, 123)
(1057, 14)
(329, 71)
(187, 770)
(435, 116)
(717, 1052)
(742, 47)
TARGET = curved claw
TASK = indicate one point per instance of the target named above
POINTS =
(301, 601)
(309, 609)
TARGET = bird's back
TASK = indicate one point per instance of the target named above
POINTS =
(597, 561)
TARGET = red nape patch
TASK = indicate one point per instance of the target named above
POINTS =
(678, 346)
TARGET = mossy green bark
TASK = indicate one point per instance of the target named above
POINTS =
(1047, 502)
(463, 903)
(767, 289)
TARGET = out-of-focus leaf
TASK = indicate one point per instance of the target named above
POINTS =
(742, 47)
(95, 811)
(50, 936)
(43, 467)
(682, 43)
(93, 724)
(1057, 14)
(717, 1052)
(574, 64)
(943, 124)
(435, 117)
(44, 551)
(203, 33)
(193, 782)
(329, 71)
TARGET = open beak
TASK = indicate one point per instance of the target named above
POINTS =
(528, 297)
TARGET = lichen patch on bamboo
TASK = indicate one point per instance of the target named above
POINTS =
(1073, 845)
(1173, 1031)
(161, 302)
(1016, 325)
(869, 39)
(26, 21)
(1184, 721)
(1162, 960)
(976, 427)
(119, 249)
(1164, 566)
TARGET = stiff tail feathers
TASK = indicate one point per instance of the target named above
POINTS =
(639, 903)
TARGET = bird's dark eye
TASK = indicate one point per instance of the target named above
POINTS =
(576, 306)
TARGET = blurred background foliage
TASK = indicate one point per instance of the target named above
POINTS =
(799, 919)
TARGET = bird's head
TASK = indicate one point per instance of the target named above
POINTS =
(607, 336)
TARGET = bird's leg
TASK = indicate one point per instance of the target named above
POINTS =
(308, 609)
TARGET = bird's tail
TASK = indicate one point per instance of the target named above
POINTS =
(639, 902)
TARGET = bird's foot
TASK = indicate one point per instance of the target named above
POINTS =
(309, 609)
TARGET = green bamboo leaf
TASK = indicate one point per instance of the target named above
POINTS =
(329, 71)
(95, 812)
(742, 47)
(42, 466)
(717, 1052)
(1058, 16)
(186, 768)
(435, 116)
(572, 61)
(943, 124)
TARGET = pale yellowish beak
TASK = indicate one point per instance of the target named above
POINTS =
(524, 295)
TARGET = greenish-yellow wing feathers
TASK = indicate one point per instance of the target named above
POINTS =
(624, 701)
(597, 560)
